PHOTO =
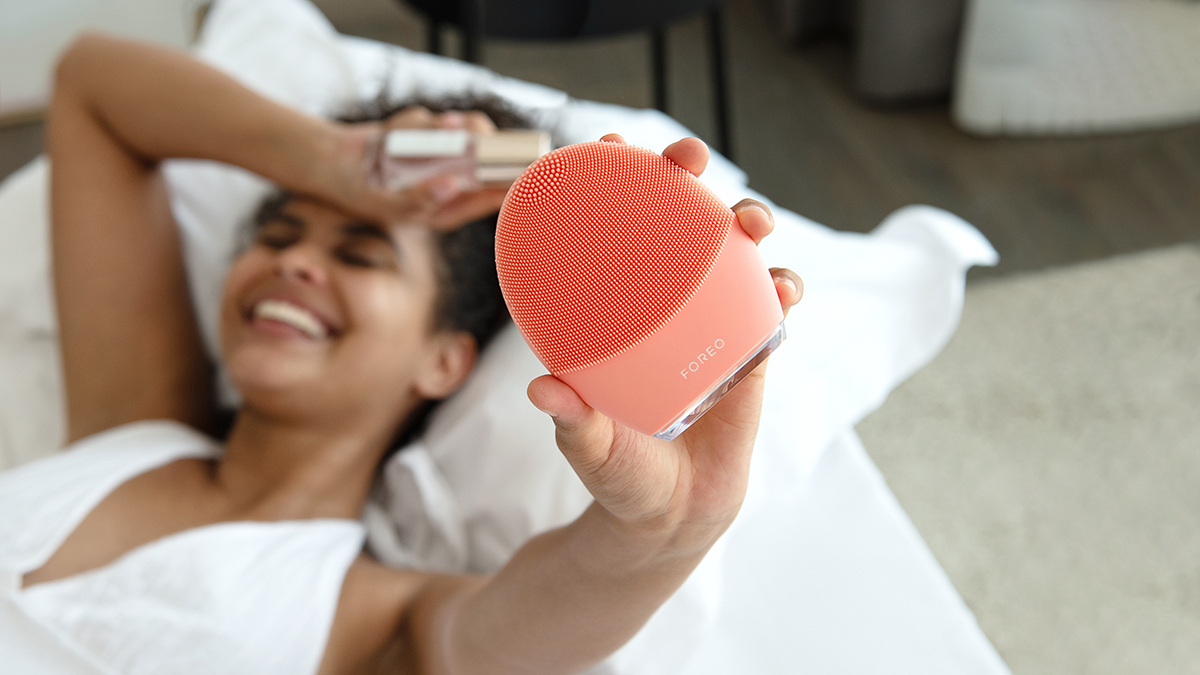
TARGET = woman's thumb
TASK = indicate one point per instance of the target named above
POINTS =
(584, 435)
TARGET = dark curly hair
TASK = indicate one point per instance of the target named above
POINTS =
(469, 297)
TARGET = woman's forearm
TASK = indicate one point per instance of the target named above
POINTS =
(163, 104)
(566, 600)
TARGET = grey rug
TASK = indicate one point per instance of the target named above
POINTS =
(1051, 458)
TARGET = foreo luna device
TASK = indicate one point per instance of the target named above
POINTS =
(634, 284)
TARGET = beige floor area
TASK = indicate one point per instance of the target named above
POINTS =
(1051, 458)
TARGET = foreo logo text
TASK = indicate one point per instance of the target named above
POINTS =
(703, 357)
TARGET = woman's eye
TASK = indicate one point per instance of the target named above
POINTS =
(276, 235)
(373, 256)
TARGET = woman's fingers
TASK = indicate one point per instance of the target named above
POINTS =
(439, 201)
(412, 117)
(789, 286)
(755, 218)
(557, 399)
(584, 435)
(440, 204)
(413, 205)
(420, 117)
(467, 208)
(690, 153)
(474, 121)
(421, 200)
(442, 198)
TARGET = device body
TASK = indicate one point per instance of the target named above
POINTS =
(634, 284)
(402, 158)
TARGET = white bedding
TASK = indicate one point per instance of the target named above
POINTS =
(822, 572)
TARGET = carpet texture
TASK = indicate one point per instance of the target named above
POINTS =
(1051, 458)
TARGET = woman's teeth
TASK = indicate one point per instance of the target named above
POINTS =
(297, 317)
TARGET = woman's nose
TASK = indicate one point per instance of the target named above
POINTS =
(304, 262)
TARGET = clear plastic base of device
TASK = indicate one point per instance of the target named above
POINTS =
(708, 400)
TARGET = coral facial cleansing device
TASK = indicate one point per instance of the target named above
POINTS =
(634, 284)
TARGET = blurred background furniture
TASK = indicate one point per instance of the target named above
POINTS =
(32, 34)
(574, 19)
(1058, 67)
(903, 49)
(1022, 68)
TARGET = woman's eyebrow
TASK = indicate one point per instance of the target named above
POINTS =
(372, 231)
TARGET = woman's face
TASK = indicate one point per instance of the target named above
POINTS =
(328, 316)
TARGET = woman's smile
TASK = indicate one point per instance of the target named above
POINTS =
(279, 317)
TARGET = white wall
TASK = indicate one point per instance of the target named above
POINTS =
(34, 32)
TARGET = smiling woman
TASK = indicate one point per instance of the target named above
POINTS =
(149, 548)
(325, 315)
(467, 297)
(440, 284)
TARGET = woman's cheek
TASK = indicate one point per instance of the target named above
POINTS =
(389, 312)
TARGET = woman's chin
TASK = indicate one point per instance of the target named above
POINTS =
(257, 373)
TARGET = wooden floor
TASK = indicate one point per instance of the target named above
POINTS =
(18, 145)
(811, 146)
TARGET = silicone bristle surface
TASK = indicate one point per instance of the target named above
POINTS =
(599, 245)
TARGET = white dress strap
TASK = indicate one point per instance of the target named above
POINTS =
(231, 598)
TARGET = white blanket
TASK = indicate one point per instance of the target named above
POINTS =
(822, 572)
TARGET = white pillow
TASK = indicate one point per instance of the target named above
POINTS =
(31, 420)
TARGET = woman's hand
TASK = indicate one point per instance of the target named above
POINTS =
(438, 202)
(685, 492)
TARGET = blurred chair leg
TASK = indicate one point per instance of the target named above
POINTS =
(472, 30)
(658, 58)
(716, 48)
(434, 41)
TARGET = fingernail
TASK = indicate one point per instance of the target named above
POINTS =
(788, 282)
(545, 411)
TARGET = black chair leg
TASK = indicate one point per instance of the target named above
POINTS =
(658, 58)
(472, 30)
(434, 40)
(716, 48)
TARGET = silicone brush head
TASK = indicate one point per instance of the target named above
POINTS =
(603, 250)
(600, 244)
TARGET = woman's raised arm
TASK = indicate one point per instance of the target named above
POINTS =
(130, 344)
(160, 103)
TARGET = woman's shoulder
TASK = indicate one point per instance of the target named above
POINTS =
(38, 500)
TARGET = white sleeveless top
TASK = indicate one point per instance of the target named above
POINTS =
(227, 598)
